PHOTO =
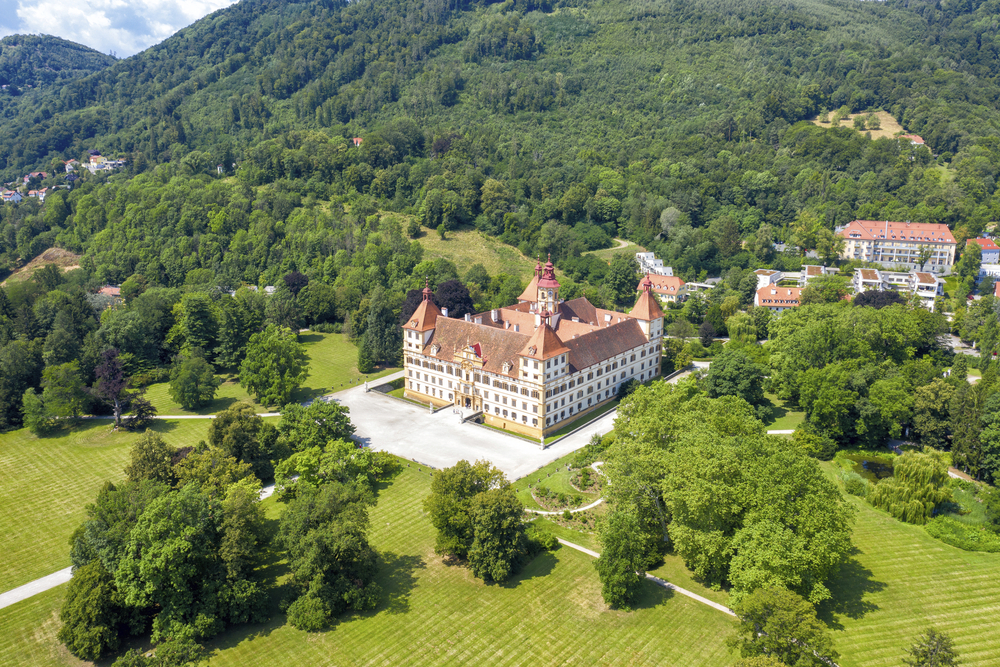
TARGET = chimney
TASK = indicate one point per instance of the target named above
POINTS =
(506, 324)
(496, 315)
(468, 317)
(444, 312)
(479, 320)
(517, 327)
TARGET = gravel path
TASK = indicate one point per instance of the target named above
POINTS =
(660, 582)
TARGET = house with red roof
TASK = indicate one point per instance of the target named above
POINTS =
(909, 245)
(777, 299)
(668, 289)
(535, 366)
(990, 250)
(914, 139)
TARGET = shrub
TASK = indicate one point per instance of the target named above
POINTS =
(540, 540)
(542, 491)
(561, 498)
(327, 327)
(963, 536)
(567, 515)
(855, 484)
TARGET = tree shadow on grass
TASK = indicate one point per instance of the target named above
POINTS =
(849, 588)
(398, 578)
(652, 594)
(539, 566)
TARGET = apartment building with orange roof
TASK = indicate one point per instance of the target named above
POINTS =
(904, 244)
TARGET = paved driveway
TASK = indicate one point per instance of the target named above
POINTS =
(440, 440)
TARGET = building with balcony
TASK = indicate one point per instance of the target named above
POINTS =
(913, 245)
(649, 264)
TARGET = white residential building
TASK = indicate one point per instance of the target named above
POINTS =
(649, 264)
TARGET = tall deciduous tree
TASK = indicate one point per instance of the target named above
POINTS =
(111, 387)
(333, 566)
(192, 381)
(150, 458)
(275, 365)
(733, 373)
(241, 433)
(499, 546)
(776, 622)
(933, 649)
(383, 337)
(621, 279)
(91, 613)
(64, 389)
(314, 426)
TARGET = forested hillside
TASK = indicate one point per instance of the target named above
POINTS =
(673, 123)
(308, 140)
(42, 60)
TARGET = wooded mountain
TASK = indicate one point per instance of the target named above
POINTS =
(550, 123)
(41, 60)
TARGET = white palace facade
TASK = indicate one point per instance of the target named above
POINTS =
(535, 366)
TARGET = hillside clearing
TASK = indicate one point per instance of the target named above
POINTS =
(468, 246)
(890, 127)
(64, 259)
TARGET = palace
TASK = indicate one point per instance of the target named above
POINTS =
(535, 366)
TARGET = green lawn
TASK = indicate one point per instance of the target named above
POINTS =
(435, 614)
(555, 477)
(48, 481)
(786, 415)
(900, 582)
(333, 362)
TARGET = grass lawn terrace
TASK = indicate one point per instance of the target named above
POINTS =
(48, 481)
(333, 366)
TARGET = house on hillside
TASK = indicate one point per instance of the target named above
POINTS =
(668, 289)
(649, 264)
(12, 196)
(894, 244)
(777, 299)
(35, 174)
(70, 165)
(866, 280)
(926, 286)
(358, 141)
(113, 291)
(914, 139)
(767, 277)
(990, 250)
(810, 271)
(38, 194)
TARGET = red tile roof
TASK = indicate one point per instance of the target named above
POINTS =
(996, 289)
(530, 292)
(544, 344)
(985, 244)
(783, 297)
(664, 284)
(425, 317)
(868, 230)
(646, 307)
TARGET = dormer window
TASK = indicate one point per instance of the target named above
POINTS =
(506, 367)
(531, 351)
(435, 349)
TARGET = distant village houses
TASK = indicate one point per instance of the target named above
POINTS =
(12, 196)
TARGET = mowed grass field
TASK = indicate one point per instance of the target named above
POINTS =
(333, 366)
(468, 246)
(48, 481)
(901, 582)
(436, 614)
